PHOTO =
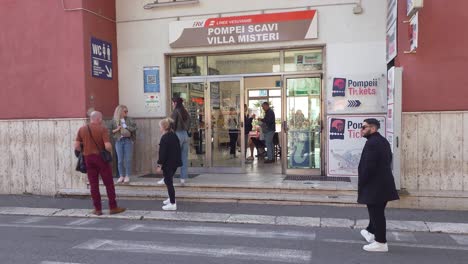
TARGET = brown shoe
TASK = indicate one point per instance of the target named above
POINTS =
(117, 210)
(96, 212)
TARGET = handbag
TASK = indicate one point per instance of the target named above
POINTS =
(81, 165)
(105, 155)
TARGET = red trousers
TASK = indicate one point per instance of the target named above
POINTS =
(96, 166)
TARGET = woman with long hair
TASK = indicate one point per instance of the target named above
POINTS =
(169, 160)
(181, 128)
(124, 134)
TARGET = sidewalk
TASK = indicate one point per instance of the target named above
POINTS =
(309, 216)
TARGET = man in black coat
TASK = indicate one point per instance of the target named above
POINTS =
(376, 185)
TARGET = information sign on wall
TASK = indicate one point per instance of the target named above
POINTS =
(101, 59)
(345, 143)
(299, 25)
(356, 94)
(413, 32)
(151, 79)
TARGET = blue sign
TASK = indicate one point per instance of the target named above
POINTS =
(301, 148)
(101, 59)
(151, 79)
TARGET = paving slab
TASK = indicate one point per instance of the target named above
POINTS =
(251, 219)
(28, 211)
(203, 217)
(336, 222)
(454, 228)
(298, 221)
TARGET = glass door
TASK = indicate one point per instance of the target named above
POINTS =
(215, 106)
(302, 125)
(226, 130)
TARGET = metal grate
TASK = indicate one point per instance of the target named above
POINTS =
(315, 178)
(153, 175)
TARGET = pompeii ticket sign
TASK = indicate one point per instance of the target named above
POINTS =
(286, 26)
(345, 143)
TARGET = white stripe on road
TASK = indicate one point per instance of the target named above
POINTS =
(460, 239)
(58, 227)
(221, 231)
(29, 220)
(84, 221)
(215, 251)
(398, 244)
(402, 236)
(55, 262)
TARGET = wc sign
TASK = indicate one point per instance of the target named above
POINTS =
(101, 59)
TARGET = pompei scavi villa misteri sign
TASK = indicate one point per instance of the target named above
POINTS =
(300, 25)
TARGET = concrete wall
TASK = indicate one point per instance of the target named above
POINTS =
(356, 46)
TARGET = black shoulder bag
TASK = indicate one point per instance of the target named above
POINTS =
(105, 155)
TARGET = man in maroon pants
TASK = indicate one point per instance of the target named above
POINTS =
(92, 145)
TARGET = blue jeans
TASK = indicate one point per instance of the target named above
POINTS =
(184, 147)
(124, 149)
(269, 143)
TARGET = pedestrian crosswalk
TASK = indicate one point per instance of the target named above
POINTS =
(222, 240)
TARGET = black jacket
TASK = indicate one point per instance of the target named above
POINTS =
(269, 120)
(169, 151)
(376, 184)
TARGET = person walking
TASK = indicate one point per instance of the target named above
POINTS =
(169, 160)
(268, 130)
(124, 134)
(376, 185)
(95, 137)
(247, 128)
(233, 124)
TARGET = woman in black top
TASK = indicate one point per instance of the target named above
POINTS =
(169, 159)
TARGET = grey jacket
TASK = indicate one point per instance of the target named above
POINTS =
(180, 124)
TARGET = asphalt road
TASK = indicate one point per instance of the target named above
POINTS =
(49, 240)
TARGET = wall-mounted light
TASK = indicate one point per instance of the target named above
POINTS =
(169, 3)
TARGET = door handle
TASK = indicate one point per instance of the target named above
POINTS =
(242, 124)
(285, 126)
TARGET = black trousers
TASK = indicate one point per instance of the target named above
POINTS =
(168, 174)
(377, 222)
(233, 135)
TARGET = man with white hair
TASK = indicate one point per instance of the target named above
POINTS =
(95, 137)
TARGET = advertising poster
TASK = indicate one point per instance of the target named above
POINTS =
(152, 102)
(151, 79)
(101, 59)
(390, 105)
(345, 143)
(391, 41)
(236, 30)
(414, 32)
(357, 94)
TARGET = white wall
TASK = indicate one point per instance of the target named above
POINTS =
(354, 43)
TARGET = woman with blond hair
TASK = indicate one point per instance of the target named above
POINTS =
(169, 159)
(124, 134)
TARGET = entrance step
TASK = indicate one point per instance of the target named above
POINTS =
(223, 196)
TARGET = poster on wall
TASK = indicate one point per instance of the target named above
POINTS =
(391, 40)
(152, 102)
(151, 79)
(262, 28)
(392, 12)
(101, 59)
(345, 143)
(413, 32)
(356, 94)
(390, 105)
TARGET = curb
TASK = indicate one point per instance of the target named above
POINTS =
(393, 225)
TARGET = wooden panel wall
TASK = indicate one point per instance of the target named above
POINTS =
(37, 156)
(435, 151)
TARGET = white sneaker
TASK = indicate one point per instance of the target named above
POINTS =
(161, 181)
(182, 181)
(167, 201)
(126, 180)
(376, 247)
(170, 207)
(368, 236)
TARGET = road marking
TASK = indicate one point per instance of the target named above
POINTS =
(55, 262)
(83, 221)
(402, 236)
(58, 227)
(460, 239)
(29, 220)
(398, 244)
(223, 231)
(215, 251)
